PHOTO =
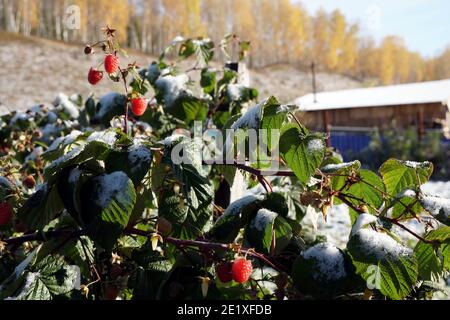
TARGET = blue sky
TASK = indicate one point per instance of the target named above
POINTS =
(424, 24)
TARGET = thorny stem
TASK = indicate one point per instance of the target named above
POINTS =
(133, 231)
(207, 245)
(122, 73)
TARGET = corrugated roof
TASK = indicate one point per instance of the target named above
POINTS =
(402, 94)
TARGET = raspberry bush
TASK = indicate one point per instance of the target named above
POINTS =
(93, 206)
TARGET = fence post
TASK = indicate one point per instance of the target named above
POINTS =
(326, 126)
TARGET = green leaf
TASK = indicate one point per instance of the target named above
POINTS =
(208, 80)
(107, 203)
(90, 107)
(437, 207)
(341, 167)
(273, 119)
(441, 234)
(146, 282)
(239, 94)
(41, 208)
(429, 264)
(188, 109)
(341, 171)
(369, 188)
(202, 48)
(283, 234)
(78, 155)
(81, 252)
(434, 258)
(399, 175)
(47, 279)
(406, 205)
(197, 222)
(189, 172)
(172, 208)
(303, 154)
(276, 202)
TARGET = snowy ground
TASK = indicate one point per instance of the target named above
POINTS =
(35, 70)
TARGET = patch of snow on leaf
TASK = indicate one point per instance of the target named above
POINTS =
(21, 267)
(415, 165)
(74, 175)
(236, 206)
(29, 280)
(172, 87)
(437, 188)
(68, 106)
(201, 42)
(239, 187)
(177, 39)
(235, 91)
(52, 117)
(175, 138)
(50, 129)
(315, 145)
(408, 193)
(139, 154)
(65, 141)
(362, 221)
(251, 119)
(106, 103)
(263, 218)
(36, 153)
(20, 116)
(329, 261)
(332, 167)
(108, 137)
(436, 205)
(381, 245)
(70, 155)
(110, 186)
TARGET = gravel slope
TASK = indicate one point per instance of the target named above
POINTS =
(35, 70)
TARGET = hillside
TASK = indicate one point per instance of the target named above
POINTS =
(35, 70)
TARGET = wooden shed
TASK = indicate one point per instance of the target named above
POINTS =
(424, 105)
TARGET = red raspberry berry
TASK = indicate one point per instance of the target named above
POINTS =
(223, 271)
(138, 106)
(29, 182)
(6, 213)
(94, 76)
(241, 270)
(111, 64)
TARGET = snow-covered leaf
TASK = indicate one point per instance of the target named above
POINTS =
(107, 203)
(109, 106)
(227, 226)
(322, 271)
(394, 265)
(135, 161)
(437, 207)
